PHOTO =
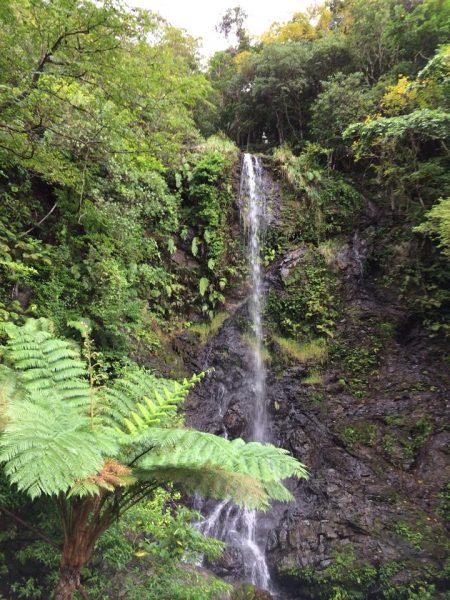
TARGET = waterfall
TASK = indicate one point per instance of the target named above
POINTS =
(253, 207)
(356, 247)
(236, 526)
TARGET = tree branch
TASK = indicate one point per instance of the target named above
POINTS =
(41, 221)
(30, 527)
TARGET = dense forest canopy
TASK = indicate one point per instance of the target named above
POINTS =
(118, 154)
(357, 95)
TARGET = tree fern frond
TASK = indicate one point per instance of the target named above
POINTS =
(47, 446)
(209, 480)
(140, 400)
(277, 491)
(265, 463)
(286, 466)
(76, 394)
(161, 438)
(83, 488)
(11, 389)
(55, 353)
(33, 327)
(31, 362)
(36, 378)
(66, 373)
(46, 362)
(113, 474)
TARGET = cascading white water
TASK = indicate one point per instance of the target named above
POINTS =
(238, 527)
(253, 206)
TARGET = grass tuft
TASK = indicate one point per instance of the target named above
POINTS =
(314, 377)
(250, 340)
(207, 330)
(313, 351)
(217, 143)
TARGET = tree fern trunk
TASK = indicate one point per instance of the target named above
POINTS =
(78, 545)
(69, 581)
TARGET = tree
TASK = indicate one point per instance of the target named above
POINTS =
(345, 99)
(94, 89)
(366, 22)
(297, 29)
(97, 450)
(419, 27)
(278, 87)
(408, 142)
(233, 21)
(97, 106)
(437, 225)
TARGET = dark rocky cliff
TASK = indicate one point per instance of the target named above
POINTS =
(368, 419)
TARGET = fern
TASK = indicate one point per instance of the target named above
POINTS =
(99, 451)
(210, 480)
(47, 446)
(140, 400)
(63, 436)
(46, 362)
(196, 450)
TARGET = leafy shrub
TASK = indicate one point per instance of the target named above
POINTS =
(307, 305)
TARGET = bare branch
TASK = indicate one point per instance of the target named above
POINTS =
(41, 221)
(30, 527)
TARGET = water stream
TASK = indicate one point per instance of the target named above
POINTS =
(356, 248)
(253, 207)
(236, 526)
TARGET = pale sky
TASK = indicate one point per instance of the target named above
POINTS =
(199, 17)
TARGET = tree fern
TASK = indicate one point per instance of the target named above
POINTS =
(46, 362)
(50, 441)
(192, 449)
(46, 446)
(97, 451)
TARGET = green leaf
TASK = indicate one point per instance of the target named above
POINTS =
(203, 285)
(194, 246)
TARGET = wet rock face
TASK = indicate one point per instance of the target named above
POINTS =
(222, 402)
(378, 456)
(230, 566)
(373, 433)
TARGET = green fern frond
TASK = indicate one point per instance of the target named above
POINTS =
(47, 446)
(83, 326)
(210, 481)
(11, 389)
(46, 363)
(44, 360)
(32, 326)
(140, 400)
(83, 488)
(277, 491)
(265, 463)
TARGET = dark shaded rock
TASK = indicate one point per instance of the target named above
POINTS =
(245, 591)
(235, 418)
(230, 566)
(184, 259)
(377, 454)
(227, 393)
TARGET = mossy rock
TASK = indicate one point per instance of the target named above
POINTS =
(246, 591)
